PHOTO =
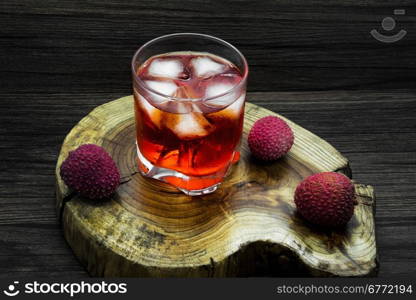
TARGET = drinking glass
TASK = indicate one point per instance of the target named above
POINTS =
(189, 96)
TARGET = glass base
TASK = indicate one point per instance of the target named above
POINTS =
(176, 178)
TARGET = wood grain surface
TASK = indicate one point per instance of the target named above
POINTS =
(289, 45)
(248, 227)
(313, 62)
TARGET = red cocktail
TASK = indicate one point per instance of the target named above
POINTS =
(189, 108)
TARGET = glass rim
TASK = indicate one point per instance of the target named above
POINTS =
(190, 34)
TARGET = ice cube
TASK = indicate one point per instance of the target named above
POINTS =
(235, 108)
(205, 67)
(153, 113)
(189, 126)
(197, 107)
(179, 107)
(218, 89)
(167, 88)
(169, 68)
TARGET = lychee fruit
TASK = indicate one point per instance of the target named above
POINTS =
(270, 138)
(326, 199)
(90, 171)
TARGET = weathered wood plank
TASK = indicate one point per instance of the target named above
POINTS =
(290, 45)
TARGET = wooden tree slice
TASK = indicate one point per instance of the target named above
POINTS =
(248, 227)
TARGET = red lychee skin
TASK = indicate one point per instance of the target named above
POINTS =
(326, 199)
(90, 171)
(270, 138)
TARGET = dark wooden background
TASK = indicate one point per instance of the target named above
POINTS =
(312, 61)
